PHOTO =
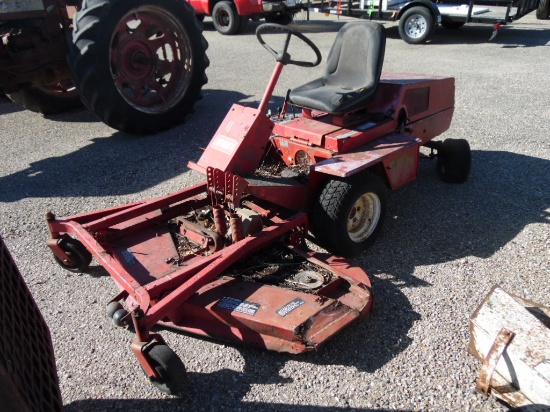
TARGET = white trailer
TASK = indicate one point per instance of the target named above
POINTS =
(419, 18)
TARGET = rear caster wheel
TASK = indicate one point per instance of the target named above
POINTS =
(172, 374)
(348, 215)
(79, 256)
(454, 160)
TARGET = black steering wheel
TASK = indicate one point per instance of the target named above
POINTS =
(283, 56)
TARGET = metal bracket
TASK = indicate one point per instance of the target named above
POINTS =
(500, 344)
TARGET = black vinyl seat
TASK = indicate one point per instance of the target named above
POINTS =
(353, 70)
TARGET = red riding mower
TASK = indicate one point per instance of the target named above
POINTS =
(227, 258)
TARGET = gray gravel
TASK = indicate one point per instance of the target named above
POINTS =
(442, 248)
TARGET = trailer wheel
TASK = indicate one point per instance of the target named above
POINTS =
(79, 255)
(543, 11)
(139, 65)
(226, 18)
(48, 99)
(349, 214)
(454, 160)
(452, 25)
(170, 368)
(283, 18)
(416, 25)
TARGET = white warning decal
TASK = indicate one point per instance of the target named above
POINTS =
(237, 305)
(290, 306)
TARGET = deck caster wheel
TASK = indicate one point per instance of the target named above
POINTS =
(79, 256)
(118, 314)
(454, 160)
(348, 215)
(112, 308)
(121, 318)
(171, 370)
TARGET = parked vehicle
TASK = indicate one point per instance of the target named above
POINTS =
(232, 16)
(419, 18)
(139, 65)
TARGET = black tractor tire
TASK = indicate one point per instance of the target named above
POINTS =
(454, 161)
(349, 214)
(79, 255)
(173, 376)
(47, 100)
(543, 11)
(452, 25)
(283, 18)
(416, 25)
(139, 65)
(225, 17)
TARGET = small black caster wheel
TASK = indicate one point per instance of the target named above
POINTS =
(80, 256)
(112, 307)
(121, 318)
(171, 370)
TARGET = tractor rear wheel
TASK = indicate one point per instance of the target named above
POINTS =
(139, 65)
(543, 11)
(416, 25)
(349, 213)
(48, 99)
(170, 368)
(454, 160)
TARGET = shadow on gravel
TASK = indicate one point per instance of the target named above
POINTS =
(431, 222)
(202, 404)
(508, 37)
(120, 164)
(7, 106)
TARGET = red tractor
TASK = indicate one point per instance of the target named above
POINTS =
(227, 258)
(138, 65)
(231, 16)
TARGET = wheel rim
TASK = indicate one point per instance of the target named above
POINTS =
(416, 26)
(151, 59)
(222, 18)
(364, 217)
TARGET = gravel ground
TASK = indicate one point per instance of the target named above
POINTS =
(442, 248)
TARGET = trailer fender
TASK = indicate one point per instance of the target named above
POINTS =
(423, 3)
(394, 157)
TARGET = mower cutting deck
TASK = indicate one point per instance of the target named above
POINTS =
(227, 258)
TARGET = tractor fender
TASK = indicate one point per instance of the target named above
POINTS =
(393, 157)
(422, 3)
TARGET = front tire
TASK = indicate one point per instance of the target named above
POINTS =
(416, 25)
(170, 368)
(454, 160)
(139, 65)
(349, 214)
(79, 255)
(48, 99)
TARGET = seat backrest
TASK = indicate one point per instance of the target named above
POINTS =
(356, 57)
(353, 70)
